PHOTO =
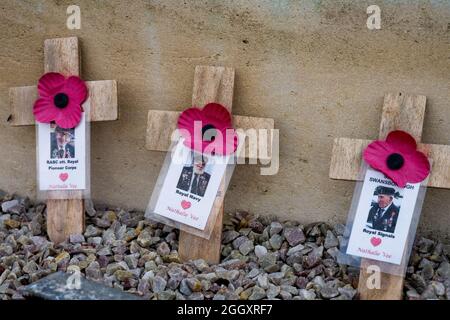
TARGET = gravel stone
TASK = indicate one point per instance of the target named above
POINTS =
(262, 258)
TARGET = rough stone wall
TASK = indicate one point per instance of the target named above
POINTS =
(311, 65)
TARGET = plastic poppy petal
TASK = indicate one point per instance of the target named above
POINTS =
(217, 115)
(69, 117)
(50, 84)
(375, 155)
(186, 123)
(401, 141)
(69, 121)
(418, 167)
(76, 89)
(44, 111)
(188, 117)
(398, 177)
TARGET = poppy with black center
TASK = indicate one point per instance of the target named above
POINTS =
(397, 158)
(209, 132)
(395, 161)
(61, 100)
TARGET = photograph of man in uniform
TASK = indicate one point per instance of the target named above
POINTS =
(62, 143)
(194, 178)
(384, 213)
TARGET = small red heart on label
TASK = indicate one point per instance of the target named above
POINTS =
(185, 204)
(63, 176)
(375, 241)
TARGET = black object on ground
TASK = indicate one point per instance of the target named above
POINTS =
(55, 287)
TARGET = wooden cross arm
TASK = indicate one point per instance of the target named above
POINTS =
(347, 157)
(102, 99)
(161, 125)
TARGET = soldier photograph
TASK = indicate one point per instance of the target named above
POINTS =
(62, 143)
(384, 213)
(194, 178)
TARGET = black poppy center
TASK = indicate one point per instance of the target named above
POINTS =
(209, 132)
(395, 161)
(61, 100)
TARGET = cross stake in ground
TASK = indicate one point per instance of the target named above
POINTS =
(400, 112)
(211, 84)
(65, 217)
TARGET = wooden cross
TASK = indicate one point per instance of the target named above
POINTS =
(211, 84)
(400, 112)
(65, 217)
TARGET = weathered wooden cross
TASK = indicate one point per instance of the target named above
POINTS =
(65, 217)
(400, 112)
(211, 84)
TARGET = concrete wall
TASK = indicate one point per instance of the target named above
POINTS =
(312, 65)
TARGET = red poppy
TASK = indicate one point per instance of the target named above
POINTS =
(398, 158)
(60, 100)
(208, 130)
